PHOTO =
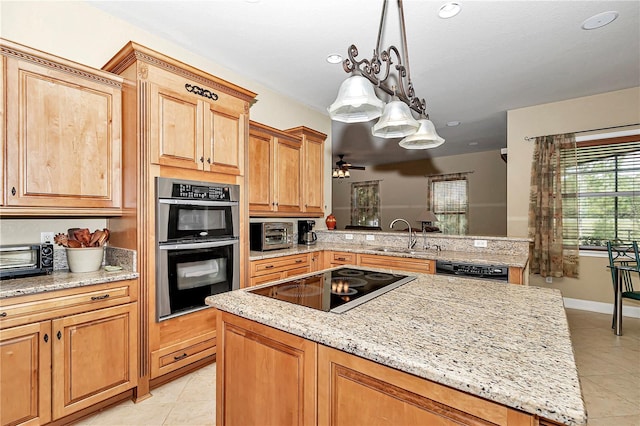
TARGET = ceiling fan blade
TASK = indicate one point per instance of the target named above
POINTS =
(357, 168)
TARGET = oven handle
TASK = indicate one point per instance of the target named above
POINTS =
(197, 202)
(208, 244)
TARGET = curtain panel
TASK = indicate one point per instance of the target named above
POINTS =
(553, 253)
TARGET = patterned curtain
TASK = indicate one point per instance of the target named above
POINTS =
(553, 254)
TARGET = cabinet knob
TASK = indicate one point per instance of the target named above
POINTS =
(13, 190)
(59, 335)
(46, 338)
(209, 160)
(2, 315)
(202, 159)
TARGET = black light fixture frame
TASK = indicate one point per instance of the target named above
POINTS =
(370, 68)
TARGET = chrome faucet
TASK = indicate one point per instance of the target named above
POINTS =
(412, 237)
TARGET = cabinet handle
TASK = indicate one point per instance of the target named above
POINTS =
(179, 357)
(209, 160)
(341, 258)
(299, 261)
(4, 314)
(105, 296)
(202, 159)
(59, 335)
(268, 267)
(13, 190)
(46, 338)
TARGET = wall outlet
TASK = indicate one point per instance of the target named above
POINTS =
(480, 243)
(348, 236)
(371, 237)
(46, 237)
(548, 280)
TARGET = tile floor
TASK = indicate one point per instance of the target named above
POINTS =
(609, 369)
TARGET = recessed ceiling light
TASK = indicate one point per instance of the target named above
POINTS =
(473, 143)
(453, 123)
(334, 58)
(449, 10)
(599, 20)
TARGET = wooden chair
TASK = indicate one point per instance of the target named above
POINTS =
(625, 258)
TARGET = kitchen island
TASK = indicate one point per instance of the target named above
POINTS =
(435, 350)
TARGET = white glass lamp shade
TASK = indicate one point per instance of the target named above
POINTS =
(396, 121)
(425, 137)
(356, 101)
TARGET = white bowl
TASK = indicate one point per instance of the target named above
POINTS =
(86, 259)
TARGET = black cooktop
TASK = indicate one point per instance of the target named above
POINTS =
(337, 290)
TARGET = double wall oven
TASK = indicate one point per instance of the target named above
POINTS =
(197, 234)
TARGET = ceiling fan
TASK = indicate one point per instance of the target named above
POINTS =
(342, 168)
(345, 165)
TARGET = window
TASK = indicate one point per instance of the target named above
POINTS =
(449, 202)
(606, 183)
(365, 203)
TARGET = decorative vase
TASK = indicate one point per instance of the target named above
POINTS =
(86, 259)
(331, 221)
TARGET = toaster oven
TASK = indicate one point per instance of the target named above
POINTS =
(25, 260)
(265, 236)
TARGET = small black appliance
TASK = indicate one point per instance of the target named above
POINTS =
(305, 232)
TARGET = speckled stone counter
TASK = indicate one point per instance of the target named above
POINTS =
(495, 258)
(62, 279)
(506, 343)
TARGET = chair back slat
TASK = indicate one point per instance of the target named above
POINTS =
(623, 254)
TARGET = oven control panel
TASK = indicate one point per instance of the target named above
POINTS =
(200, 192)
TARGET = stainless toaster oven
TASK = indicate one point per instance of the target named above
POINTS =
(25, 260)
(265, 236)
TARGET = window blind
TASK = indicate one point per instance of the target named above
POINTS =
(450, 204)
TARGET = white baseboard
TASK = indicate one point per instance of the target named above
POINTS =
(603, 308)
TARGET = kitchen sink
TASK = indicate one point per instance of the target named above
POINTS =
(395, 250)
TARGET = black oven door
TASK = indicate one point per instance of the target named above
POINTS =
(193, 219)
(188, 273)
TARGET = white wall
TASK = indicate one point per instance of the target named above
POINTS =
(79, 32)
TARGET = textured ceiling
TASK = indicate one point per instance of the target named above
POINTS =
(492, 57)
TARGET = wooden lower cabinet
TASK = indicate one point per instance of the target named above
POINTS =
(65, 351)
(338, 258)
(273, 269)
(264, 376)
(267, 376)
(25, 375)
(423, 266)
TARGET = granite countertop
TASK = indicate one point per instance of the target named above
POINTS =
(60, 280)
(506, 343)
(431, 254)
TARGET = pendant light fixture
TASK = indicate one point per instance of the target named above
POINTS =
(357, 101)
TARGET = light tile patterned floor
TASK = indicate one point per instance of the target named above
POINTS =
(609, 369)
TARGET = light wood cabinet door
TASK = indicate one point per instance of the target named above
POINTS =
(312, 170)
(176, 129)
(264, 376)
(94, 357)
(424, 266)
(261, 170)
(64, 125)
(223, 139)
(25, 375)
(288, 176)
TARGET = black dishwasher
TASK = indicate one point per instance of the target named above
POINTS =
(472, 270)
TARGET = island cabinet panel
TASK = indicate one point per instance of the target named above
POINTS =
(264, 376)
(338, 258)
(64, 124)
(25, 376)
(352, 390)
(266, 270)
(424, 266)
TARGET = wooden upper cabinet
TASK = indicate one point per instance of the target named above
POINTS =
(194, 134)
(195, 120)
(312, 170)
(275, 163)
(63, 126)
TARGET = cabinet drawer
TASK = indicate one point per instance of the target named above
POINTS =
(261, 279)
(176, 356)
(50, 305)
(424, 266)
(344, 258)
(296, 271)
(278, 264)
